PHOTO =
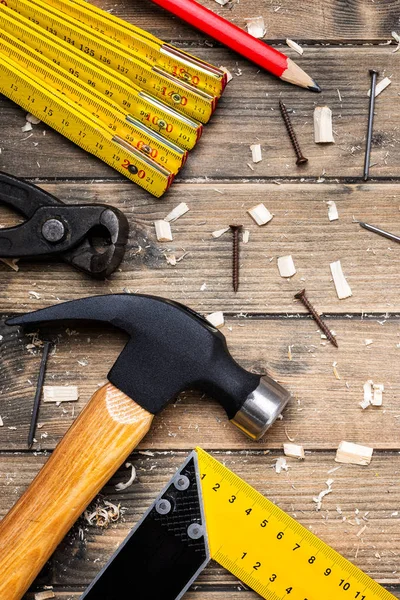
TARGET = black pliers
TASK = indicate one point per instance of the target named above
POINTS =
(53, 227)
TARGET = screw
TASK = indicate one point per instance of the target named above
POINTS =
(195, 531)
(301, 160)
(374, 74)
(323, 326)
(236, 229)
(163, 506)
(182, 483)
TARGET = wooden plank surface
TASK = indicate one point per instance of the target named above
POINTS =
(342, 41)
(86, 548)
(247, 114)
(323, 412)
(300, 227)
(356, 21)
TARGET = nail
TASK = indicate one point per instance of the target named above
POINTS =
(39, 387)
(374, 74)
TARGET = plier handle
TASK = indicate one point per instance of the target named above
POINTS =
(54, 228)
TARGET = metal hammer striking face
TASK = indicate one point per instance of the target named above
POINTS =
(171, 348)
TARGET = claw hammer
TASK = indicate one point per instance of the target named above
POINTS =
(170, 348)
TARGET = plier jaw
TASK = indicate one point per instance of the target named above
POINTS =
(54, 228)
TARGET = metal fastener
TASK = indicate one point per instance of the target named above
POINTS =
(386, 234)
(53, 230)
(321, 324)
(163, 506)
(236, 229)
(374, 75)
(182, 482)
(39, 387)
(301, 160)
(195, 531)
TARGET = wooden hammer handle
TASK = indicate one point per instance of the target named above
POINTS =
(104, 434)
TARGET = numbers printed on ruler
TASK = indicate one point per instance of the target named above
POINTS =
(268, 550)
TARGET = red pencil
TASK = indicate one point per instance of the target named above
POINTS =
(239, 40)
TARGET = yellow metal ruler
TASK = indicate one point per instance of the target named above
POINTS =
(268, 550)
(183, 97)
(131, 99)
(78, 125)
(173, 61)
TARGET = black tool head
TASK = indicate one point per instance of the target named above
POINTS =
(171, 348)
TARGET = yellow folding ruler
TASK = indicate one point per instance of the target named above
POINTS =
(101, 83)
(159, 117)
(206, 511)
(193, 102)
(173, 61)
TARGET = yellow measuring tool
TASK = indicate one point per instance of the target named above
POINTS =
(268, 550)
(132, 100)
(78, 125)
(192, 70)
(195, 103)
(132, 131)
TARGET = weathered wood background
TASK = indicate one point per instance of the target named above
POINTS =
(342, 40)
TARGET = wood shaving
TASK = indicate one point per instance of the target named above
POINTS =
(368, 342)
(294, 46)
(290, 353)
(46, 595)
(256, 153)
(333, 214)
(60, 393)
(32, 119)
(359, 533)
(367, 387)
(11, 262)
(294, 451)
(1, 422)
(396, 37)
(171, 259)
(123, 486)
(377, 397)
(260, 214)
(216, 319)
(177, 212)
(323, 132)
(246, 236)
(335, 371)
(354, 454)
(222, 2)
(256, 27)
(219, 232)
(102, 516)
(281, 465)
(286, 266)
(34, 294)
(163, 231)
(382, 85)
(318, 499)
(26, 127)
(342, 287)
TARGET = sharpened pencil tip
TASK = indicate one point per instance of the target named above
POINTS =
(315, 87)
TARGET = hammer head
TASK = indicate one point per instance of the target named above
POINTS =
(172, 348)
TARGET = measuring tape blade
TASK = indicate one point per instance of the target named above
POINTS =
(77, 125)
(268, 550)
(143, 139)
(131, 99)
(195, 103)
(173, 61)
